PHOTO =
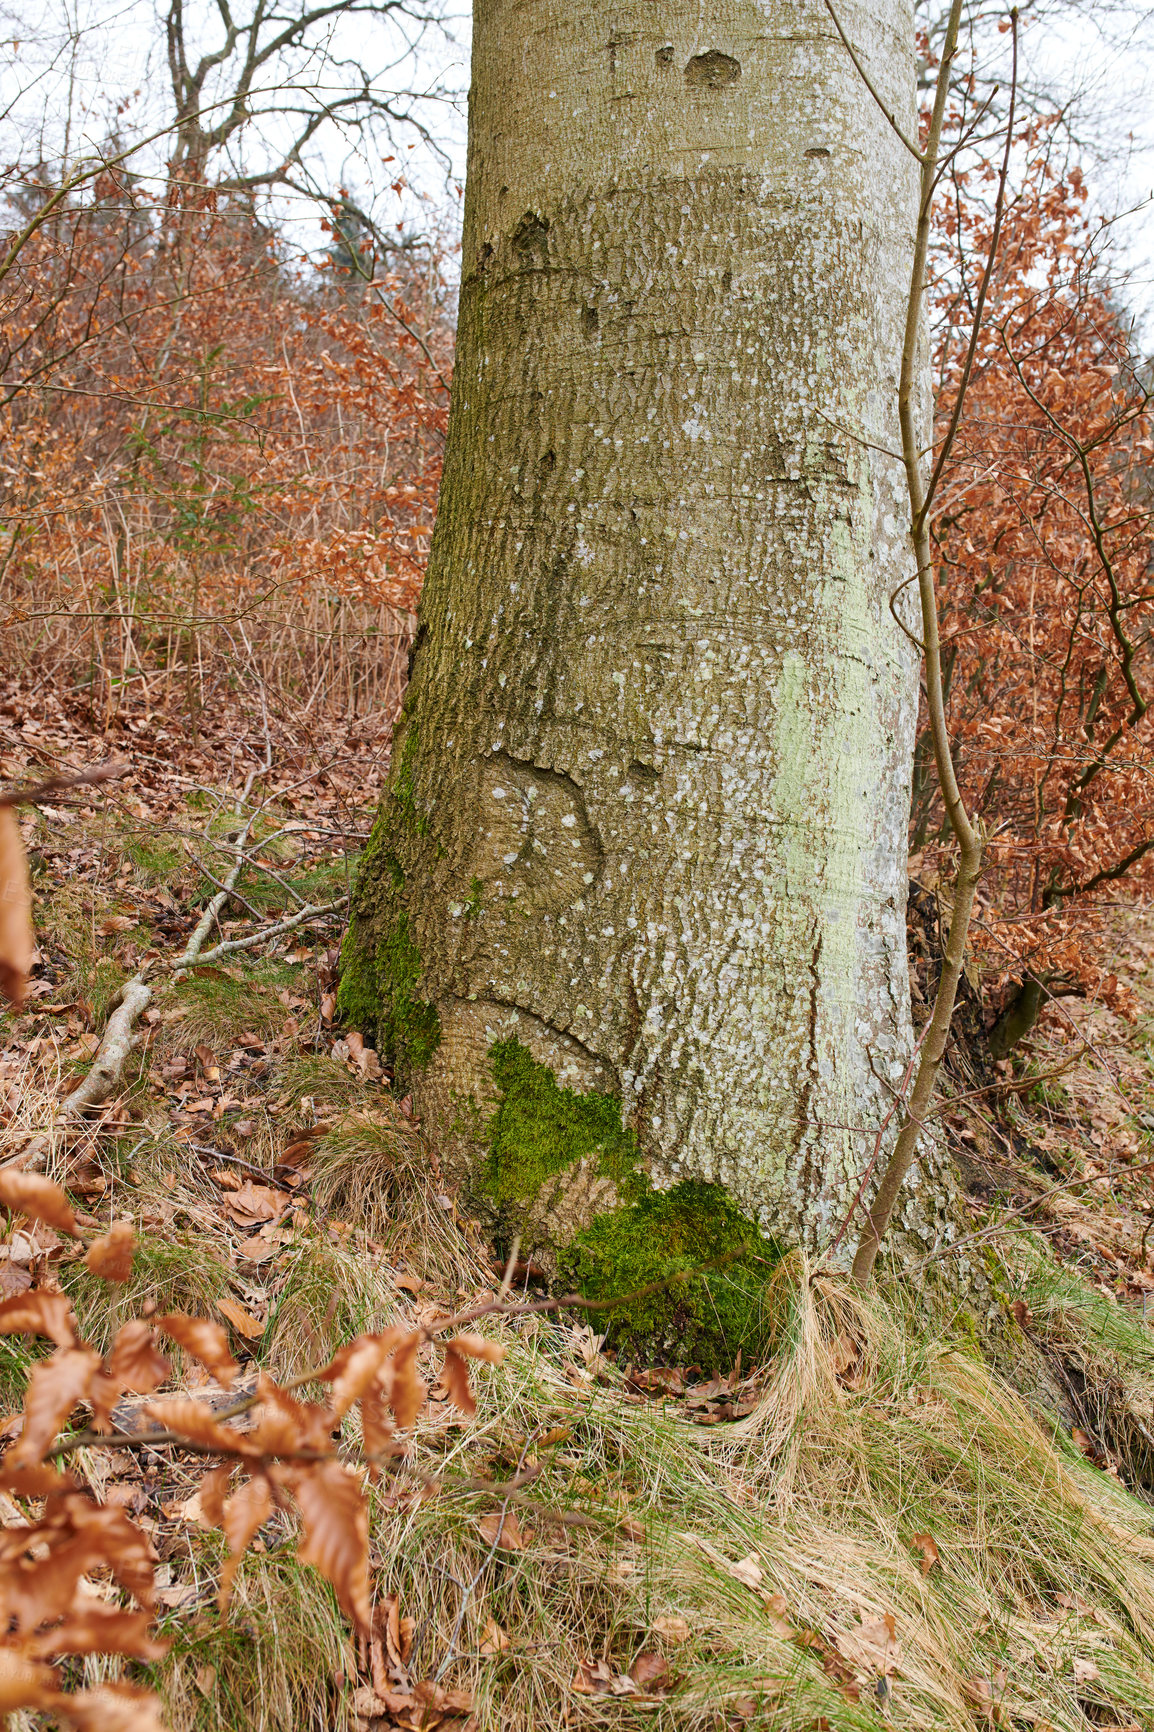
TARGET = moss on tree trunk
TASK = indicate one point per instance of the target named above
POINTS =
(647, 817)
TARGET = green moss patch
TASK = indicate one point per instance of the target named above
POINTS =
(700, 1318)
(540, 1128)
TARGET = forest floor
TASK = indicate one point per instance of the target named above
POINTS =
(930, 1508)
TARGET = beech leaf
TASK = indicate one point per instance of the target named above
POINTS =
(136, 1362)
(406, 1392)
(455, 1373)
(16, 939)
(243, 1515)
(101, 1629)
(39, 1313)
(25, 1683)
(205, 1340)
(31, 1194)
(478, 1347)
(357, 1366)
(54, 1389)
(193, 1420)
(336, 1534)
(110, 1257)
(114, 1708)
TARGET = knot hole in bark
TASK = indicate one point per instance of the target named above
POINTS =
(590, 319)
(664, 56)
(531, 238)
(712, 70)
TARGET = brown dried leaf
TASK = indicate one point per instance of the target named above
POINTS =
(355, 1367)
(205, 1340)
(17, 943)
(38, 1481)
(673, 1627)
(242, 1321)
(1085, 1671)
(212, 1492)
(872, 1645)
(114, 1708)
(243, 1515)
(406, 1392)
(455, 1375)
(192, 1420)
(39, 1313)
(495, 1640)
(477, 1347)
(101, 1629)
(135, 1361)
(31, 1194)
(648, 1670)
(336, 1528)
(110, 1257)
(54, 1389)
(25, 1683)
(985, 1694)
(286, 1424)
(930, 1554)
(503, 1531)
(208, 1062)
(249, 1203)
(14, 1278)
(377, 1432)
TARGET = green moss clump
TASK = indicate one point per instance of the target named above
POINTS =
(699, 1319)
(540, 1128)
(408, 1028)
(380, 961)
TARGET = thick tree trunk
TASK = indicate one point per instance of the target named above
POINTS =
(647, 818)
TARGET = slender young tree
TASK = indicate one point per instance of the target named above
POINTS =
(631, 924)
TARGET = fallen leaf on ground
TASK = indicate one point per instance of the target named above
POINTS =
(251, 1202)
(1085, 1671)
(672, 1627)
(872, 1645)
(504, 1532)
(495, 1639)
(243, 1321)
(930, 1555)
(648, 1670)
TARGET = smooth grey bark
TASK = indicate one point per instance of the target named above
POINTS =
(650, 791)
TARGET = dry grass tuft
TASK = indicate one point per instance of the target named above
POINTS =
(374, 1169)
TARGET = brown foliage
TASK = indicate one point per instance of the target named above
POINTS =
(29, 1194)
(206, 1341)
(212, 448)
(292, 1446)
(110, 1257)
(1045, 544)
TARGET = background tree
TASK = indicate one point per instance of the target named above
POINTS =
(1046, 546)
(643, 856)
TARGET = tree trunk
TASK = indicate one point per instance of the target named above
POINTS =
(631, 923)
